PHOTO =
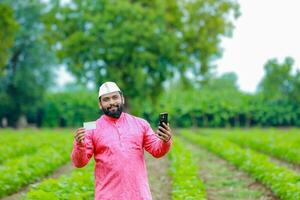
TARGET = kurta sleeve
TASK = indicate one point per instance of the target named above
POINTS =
(155, 146)
(82, 152)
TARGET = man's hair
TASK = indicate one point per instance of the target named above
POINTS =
(119, 93)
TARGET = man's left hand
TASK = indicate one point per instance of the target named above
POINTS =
(164, 133)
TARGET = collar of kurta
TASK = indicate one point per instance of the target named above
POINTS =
(112, 119)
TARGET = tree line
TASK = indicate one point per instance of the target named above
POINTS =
(219, 103)
(160, 53)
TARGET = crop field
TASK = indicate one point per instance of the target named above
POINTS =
(216, 164)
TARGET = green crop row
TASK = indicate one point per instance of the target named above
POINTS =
(24, 144)
(184, 172)
(283, 182)
(273, 145)
(291, 135)
(282, 144)
(13, 147)
(79, 185)
(20, 171)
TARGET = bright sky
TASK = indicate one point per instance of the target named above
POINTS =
(266, 29)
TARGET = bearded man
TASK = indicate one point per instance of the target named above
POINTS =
(117, 144)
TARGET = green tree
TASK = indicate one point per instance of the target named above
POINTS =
(295, 90)
(140, 44)
(67, 109)
(8, 27)
(277, 81)
(218, 103)
(204, 25)
(29, 68)
(279, 90)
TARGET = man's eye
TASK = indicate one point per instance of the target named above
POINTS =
(115, 97)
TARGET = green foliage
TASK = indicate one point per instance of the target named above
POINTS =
(184, 172)
(29, 68)
(8, 27)
(20, 171)
(144, 46)
(294, 91)
(279, 89)
(283, 146)
(218, 103)
(139, 44)
(205, 23)
(79, 185)
(277, 82)
(110, 40)
(283, 182)
(69, 109)
(19, 147)
(221, 178)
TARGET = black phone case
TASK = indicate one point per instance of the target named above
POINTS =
(163, 117)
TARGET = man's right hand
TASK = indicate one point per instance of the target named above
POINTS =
(80, 135)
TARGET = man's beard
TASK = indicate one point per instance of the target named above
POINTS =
(113, 113)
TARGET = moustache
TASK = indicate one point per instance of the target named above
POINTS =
(113, 106)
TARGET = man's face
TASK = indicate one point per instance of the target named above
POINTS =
(112, 104)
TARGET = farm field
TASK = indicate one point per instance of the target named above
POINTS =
(216, 164)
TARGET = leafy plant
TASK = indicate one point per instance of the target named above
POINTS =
(283, 182)
(184, 172)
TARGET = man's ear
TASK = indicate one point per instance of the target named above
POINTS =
(99, 104)
(123, 99)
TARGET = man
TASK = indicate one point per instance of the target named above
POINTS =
(118, 144)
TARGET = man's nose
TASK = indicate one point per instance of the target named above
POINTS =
(111, 102)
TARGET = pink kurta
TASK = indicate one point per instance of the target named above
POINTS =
(118, 147)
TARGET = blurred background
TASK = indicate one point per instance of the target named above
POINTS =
(217, 63)
(224, 70)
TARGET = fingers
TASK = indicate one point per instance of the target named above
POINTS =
(161, 133)
(164, 133)
(80, 134)
(163, 136)
(165, 127)
(80, 137)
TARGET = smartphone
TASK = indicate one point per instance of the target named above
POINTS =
(163, 117)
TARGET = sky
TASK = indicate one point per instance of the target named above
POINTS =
(266, 29)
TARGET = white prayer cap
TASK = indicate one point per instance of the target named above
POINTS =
(108, 87)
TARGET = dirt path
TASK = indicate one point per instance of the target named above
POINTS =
(224, 182)
(283, 163)
(160, 181)
(65, 169)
